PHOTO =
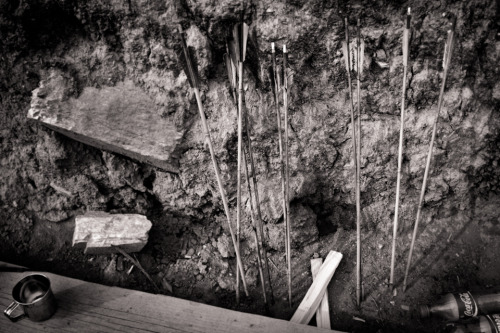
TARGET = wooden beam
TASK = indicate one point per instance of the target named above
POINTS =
(323, 311)
(122, 119)
(100, 231)
(90, 307)
(313, 297)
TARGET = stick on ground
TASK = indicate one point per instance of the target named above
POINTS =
(323, 311)
(314, 295)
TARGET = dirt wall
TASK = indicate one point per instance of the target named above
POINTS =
(48, 179)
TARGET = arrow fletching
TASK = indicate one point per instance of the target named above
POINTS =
(406, 38)
(360, 49)
(190, 70)
(449, 44)
(230, 68)
(240, 35)
(285, 65)
(361, 56)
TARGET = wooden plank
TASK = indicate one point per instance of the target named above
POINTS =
(90, 307)
(122, 119)
(100, 231)
(323, 312)
(313, 297)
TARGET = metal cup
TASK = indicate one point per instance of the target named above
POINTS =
(34, 297)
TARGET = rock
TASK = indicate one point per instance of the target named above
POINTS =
(99, 231)
(271, 197)
(226, 282)
(225, 246)
(122, 119)
(303, 226)
(251, 276)
(119, 264)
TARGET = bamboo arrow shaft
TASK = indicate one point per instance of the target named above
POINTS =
(240, 141)
(446, 63)
(398, 181)
(287, 177)
(354, 149)
(358, 171)
(260, 227)
(280, 142)
(400, 150)
(221, 186)
(254, 229)
(195, 87)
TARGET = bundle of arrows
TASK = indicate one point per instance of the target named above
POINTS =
(281, 86)
(448, 48)
(234, 58)
(353, 53)
(356, 134)
(194, 82)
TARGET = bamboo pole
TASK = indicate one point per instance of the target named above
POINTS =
(240, 33)
(446, 63)
(254, 229)
(359, 68)
(195, 87)
(260, 227)
(287, 177)
(406, 34)
(280, 140)
(347, 59)
(259, 244)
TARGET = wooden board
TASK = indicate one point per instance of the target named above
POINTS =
(122, 119)
(90, 307)
(313, 297)
(323, 311)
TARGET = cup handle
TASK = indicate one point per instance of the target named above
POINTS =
(7, 312)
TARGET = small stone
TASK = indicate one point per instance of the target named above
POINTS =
(199, 277)
(190, 252)
(224, 246)
(119, 264)
(166, 285)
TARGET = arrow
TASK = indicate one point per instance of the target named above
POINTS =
(359, 69)
(287, 178)
(257, 223)
(240, 36)
(277, 89)
(406, 34)
(193, 80)
(347, 58)
(446, 64)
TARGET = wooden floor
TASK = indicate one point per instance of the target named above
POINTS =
(90, 307)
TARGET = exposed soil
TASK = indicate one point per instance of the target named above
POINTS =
(99, 43)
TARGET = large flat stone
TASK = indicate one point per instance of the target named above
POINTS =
(100, 231)
(121, 119)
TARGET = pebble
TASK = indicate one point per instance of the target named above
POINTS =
(119, 264)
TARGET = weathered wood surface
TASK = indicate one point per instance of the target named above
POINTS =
(100, 231)
(121, 119)
(90, 307)
(323, 311)
(314, 295)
